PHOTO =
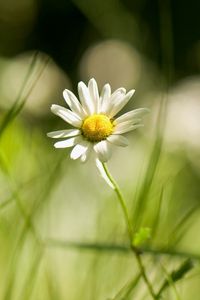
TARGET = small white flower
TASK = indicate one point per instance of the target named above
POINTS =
(95, 126)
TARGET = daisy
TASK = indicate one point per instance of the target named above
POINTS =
(95, 124)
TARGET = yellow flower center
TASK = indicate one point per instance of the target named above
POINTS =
(97, 127)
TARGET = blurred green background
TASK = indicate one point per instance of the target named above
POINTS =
(62, 233)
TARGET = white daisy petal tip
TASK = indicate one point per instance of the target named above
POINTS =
(78, 151)
(107, 89)
(131, 93)
(103, 150)
(118, 140)
(67, 143)
(103, 174)
(92, 81)
(122, 90)
(107, 86)
(85, 156)
(63, 133)
(49, 134)
(53, 107)
(81, 84)
(142, 111)
(65, 93)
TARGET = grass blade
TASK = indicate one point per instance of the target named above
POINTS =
(126, 291)
(176, 275)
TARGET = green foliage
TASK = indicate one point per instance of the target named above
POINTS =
(141, 236)
(126, 291)
(42, 192)
(62, 232)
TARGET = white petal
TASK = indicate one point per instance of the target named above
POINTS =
(121, 125)
(85, 98)
(67, 115)
(85, 156)
(67, 143)
(132, 115)
(105, 96)
(73, 103)
(103, 173)
(115, 97)
(118, 140)
(118, 105)
(119, 92)
(126, 128)
(126, 123)
(64, 133)
(79, 150)
(103, 150)
(94, 93)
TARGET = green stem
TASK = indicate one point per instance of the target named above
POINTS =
(130, 230)
(121, 200)
(144, 275)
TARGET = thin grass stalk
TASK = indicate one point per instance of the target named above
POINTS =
(130, 231)
(12, 111)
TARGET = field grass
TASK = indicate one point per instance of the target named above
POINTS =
(62, 230)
